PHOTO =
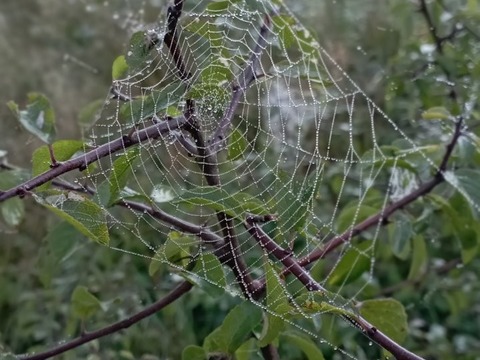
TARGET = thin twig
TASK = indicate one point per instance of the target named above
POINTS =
(439, 42)
(294, 267)
(172, 296)
(382, 216)
(465, 26)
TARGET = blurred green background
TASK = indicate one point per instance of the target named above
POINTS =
(65, 49)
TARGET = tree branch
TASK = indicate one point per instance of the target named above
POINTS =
(244, 79)
(382, 216)
(294, 267)
(172, 296)
(171, 38)
(82, 161)
(439, 41)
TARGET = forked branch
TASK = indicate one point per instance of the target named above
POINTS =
(244, 79)
(294, 267)
(382, 216)
(207, 160)
(82, 161)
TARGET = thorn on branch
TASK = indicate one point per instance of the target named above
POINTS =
(82, 167)
(22, 192)
(127, 139)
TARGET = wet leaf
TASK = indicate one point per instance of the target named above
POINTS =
(13, 211)
(83, 214)
(387, 315)
(119, 68)
(62, 150)
(38, 117)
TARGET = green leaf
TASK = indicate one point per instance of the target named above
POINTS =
(38, 117)
(245, 351)
(308, 347)
(468, 238)
(82, 213)
(283, 27)
(173, 111)
(62, 150)
(293, 201)
(276, 299)
(60, 241)
(138, 52)
(178, 249)
(436, 113)
(211, 273)
(218, 6)
(13, 211)
(464, 225)
(207, 30)
(218, 199)
(84, 303)
(121, 171)
(352, 264)
(387, 315)
(155, 264)
(193, 352)
(119, 68)
(238, 145)
(237, 326)
(466, 182)
(157, 100)
(401, 232)
(306, 41)
(419, 263)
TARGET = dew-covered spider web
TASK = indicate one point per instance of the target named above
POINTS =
(290, 137)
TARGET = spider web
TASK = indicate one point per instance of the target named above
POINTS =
(305, 143)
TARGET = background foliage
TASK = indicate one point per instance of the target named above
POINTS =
(65, 50)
